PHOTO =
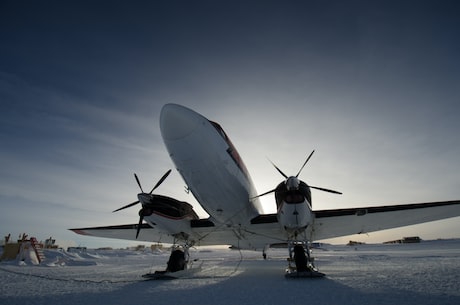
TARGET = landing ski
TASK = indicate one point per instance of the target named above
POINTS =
(160, 275)
(304, 274)
(165, 275)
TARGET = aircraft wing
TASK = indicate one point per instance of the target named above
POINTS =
(265, 229)
(201, 233)
(128, 232)
(342, 222)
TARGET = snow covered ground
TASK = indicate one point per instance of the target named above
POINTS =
(425, 273)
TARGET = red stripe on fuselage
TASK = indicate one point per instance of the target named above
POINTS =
(231, 149)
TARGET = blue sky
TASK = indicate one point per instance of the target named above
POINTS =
(373, 86)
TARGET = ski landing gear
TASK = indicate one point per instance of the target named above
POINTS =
(177, 267)
(299, 254)
(177, 260)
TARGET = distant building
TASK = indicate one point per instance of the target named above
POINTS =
(76, 249)
(354, 243)
(405, 240)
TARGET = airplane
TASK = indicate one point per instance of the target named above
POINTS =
(215, 174)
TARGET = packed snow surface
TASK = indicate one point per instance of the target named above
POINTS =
(424, 273)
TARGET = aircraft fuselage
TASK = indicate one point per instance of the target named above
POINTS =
(217, 177)
(210, 165)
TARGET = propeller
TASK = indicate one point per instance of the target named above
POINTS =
(141, 219)
(305, 163)
(160, 181)
(126, 206)
(140, 186)
(325, 190)
(141, 212)
(296, 176)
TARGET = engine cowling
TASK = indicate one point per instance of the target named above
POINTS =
(293, 200)
(167, 207)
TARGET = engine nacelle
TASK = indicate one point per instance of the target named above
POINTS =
(169, 214)
(293, 195)
(167, 207)
(293, 201)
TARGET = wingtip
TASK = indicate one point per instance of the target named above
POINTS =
(80, 232)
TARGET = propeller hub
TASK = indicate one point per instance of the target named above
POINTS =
(292, 183)
(144, 198)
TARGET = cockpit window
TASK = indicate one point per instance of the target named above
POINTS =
(231, 149)
(219, 130)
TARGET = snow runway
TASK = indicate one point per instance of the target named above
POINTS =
(425, 273)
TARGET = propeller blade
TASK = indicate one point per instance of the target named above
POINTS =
(266, 193)
(160, 181)
(138, 182)
(280, 171)
(141, 219)
(304, 164)
(126, 206)
(325, 190)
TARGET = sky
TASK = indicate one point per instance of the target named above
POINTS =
(372, 86)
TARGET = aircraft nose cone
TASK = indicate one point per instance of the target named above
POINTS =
(177, 122)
